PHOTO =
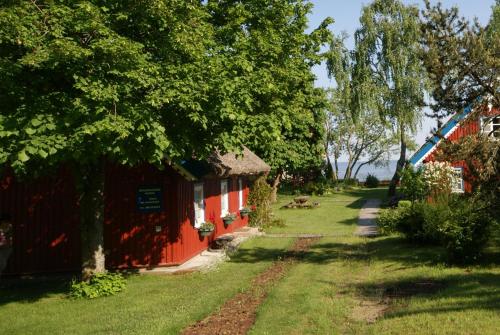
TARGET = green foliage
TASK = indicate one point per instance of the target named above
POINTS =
(462, 225)
(389, 69)
(371, 181)
(316, 187)
(390, 219)
(413, 185)
(260, 200)
(451, 44)
(99, 285)
(271, 55)
(466, 230)
(132, 82)
(404, 204)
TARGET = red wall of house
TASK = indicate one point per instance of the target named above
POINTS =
(465, 128)
(191, 242)
(45, 220)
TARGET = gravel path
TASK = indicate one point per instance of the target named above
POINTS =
(367, 226)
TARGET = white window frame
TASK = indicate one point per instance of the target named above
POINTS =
(199, 205)
(458, 175)
(488, 124)
(224, 197)
(240, 193)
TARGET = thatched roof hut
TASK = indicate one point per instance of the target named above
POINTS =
(222, 166)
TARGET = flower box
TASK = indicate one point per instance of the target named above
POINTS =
(206, 229)
(228, 219)
(244, 212)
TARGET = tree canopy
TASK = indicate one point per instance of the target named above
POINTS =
(389, 68)
(87, 82)
(461, 58)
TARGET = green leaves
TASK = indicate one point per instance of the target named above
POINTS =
(22, 156)
(137, 81)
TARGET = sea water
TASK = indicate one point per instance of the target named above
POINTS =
(384, 172)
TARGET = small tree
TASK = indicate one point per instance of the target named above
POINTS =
(260, 200)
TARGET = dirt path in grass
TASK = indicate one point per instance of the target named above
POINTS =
(237, 315)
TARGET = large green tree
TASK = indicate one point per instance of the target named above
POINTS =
(462, 58)
(283, 121)
(389, 69)
(86, 83)
(83, 83)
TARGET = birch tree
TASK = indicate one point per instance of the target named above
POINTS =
(389, 69)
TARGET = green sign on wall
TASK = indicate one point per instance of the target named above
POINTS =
(150, 199)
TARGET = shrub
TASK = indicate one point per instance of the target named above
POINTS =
(99, 285)
(260, 200)
(466, 230)
(413, 185)
(404, 204)
(315, 188)
(349, 183)
(389, 220)
(371, 181)
(461, 225)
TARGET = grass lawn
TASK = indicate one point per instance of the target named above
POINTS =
(343, 280)
(151, 304)
(332, 289)
(336, 215)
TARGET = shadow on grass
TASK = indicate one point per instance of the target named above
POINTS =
(28, 290)
(33, 288)
(394, 249)
(331, 251)
(457, 292)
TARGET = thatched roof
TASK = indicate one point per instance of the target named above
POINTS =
(231, 164)
(217, 165)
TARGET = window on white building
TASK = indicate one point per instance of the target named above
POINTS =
(224, 196)
(491, 126)
(199, 205)
(240, 193)
(458, 180)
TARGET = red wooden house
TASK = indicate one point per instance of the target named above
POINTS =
(151, 215)
(460, 125)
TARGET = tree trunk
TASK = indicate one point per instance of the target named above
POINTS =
(329, 174)
(336, 172)
(359, 168)
(91, 187)
(400, 165)
(348, 170)
(275, 185)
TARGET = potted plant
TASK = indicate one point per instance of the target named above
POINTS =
(245, 211)
(229, 218)
(206, 229)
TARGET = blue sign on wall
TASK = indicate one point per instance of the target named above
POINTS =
(150, 199)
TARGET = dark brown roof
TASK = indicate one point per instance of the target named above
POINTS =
(221, 166)
(231, 164)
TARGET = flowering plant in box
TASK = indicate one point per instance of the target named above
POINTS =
(229, 218)
(206, 228)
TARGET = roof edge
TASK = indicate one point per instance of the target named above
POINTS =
(445, 131)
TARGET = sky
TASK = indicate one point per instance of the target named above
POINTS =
(346, 14)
